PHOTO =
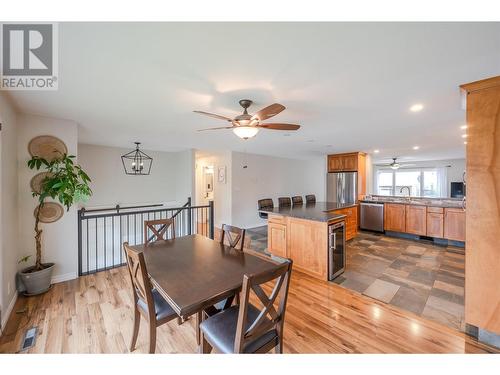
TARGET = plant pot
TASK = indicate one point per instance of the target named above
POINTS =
(37, 282)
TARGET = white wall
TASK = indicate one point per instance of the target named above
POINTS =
(453, 173)
(271, 177)
(59, 239)
(8, 205)
(170, 181)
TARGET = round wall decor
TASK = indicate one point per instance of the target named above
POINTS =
(37, 180)
(47, 147)
(51, 212)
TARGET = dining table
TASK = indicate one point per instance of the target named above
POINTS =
(195, 272)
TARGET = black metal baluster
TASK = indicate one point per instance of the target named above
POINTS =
(211, 219)
(88, 268)
(96, 245)
(128, 229)
(135, 229)
(121, 239)
(113, 240)
(105, 263)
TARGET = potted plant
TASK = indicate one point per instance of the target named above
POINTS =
(66, 182)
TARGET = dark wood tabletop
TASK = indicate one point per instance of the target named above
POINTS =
(194, 272)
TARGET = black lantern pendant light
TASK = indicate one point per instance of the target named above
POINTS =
(137, 162)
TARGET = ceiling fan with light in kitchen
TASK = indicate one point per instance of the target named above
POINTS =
(247, 126)
(395, 165)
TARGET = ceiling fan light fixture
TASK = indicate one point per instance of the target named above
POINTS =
(245, 132)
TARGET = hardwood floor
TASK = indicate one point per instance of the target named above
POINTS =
(93, 314)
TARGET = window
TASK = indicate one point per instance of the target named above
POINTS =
(407, 183)
(385, 184)
(421, 182)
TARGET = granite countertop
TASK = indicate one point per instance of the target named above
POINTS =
(417, 201)
(319, 211)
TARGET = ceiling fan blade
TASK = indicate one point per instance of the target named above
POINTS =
(223, 127)
(268, 112)
(214, 116)
(279, 126)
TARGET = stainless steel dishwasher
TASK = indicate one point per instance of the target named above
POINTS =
(372, 216)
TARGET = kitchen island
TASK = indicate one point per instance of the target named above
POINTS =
(301, 233)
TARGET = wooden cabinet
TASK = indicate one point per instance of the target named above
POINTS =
(335, 163)
(482, 257)
(276, 239)
(454, 224)
(350, 162)
(351, 221)
(416, 220)
(435, 222)
(308, 246)
(345, 162)
(395, 217)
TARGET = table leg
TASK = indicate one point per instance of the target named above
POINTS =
(199, 318)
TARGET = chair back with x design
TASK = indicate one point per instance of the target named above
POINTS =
(139, 277)
(158, 228)
(269, 318)
(235, 236)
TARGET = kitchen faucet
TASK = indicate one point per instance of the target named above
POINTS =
(409, 192)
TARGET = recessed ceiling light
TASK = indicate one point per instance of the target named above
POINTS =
(465, 142)
(376, 151)
(416, 107)
(464, 135)
(286, 135)
(416, 147)
(463, 127)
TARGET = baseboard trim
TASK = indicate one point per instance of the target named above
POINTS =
(256, 225)
(6, 315)
(65, 277)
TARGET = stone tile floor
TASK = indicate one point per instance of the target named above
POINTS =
(416, 276)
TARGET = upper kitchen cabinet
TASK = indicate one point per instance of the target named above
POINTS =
(482, 255)
(350, 162)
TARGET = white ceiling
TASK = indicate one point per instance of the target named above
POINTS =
(348, 84)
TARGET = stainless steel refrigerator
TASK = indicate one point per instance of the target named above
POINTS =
(342, 187)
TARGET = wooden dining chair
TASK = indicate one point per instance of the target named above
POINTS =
(246, 329)
(237, 243)
(235, 236)
(159, 230)
(147, 301)
(311, 198)
(284, 202)
(297, 200)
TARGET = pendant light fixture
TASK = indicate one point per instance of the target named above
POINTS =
(137, 162)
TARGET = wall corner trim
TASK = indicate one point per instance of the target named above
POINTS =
(6, 315)
(64, 277)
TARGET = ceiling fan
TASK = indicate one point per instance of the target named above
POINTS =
(395, 165)
(247, 126)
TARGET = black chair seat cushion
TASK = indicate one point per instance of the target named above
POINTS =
(162, 308)
(220, 330)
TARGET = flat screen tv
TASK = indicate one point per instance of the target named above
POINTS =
(457, 190)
